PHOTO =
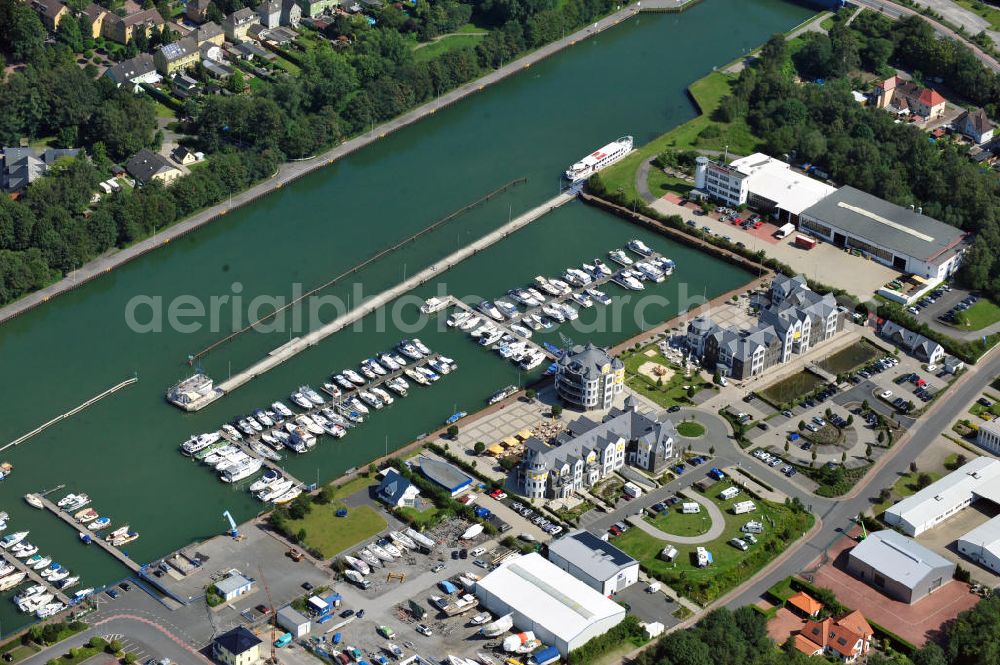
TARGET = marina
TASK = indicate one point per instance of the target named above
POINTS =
(247, 444)
(83, 530)
(389, 191)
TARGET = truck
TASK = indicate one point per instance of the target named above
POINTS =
(805, 242)
(283, 641)
(785, 230)
(632, 490)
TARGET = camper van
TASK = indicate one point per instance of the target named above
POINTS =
(632, 490)
(744, 507)
(729, 493)
(752, 527)
(690, 507)
(703, 556)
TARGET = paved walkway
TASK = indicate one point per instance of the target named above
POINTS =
(716, 530)
(291, 171)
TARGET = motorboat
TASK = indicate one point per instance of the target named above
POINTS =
(455, 417)
(398, 385)
(369, 557)
(254, 424)
(232, 432)
(354, 377)
(13, 539)
(546, 286)
(535, 295)
(86, 515)
(343, 382)
(383, 395)
(11, 580)
(126, 539)
(582, 278)
(357, 564)
(432, 305)
(456, 318)
(66, 500)
(416, 376)
(312, 395)
(355, 403)
(34, 501)
(49, 610)
(421, 347)
(120, 532)
(380, 552)
(387, 361)
(387, 545)
(650, 272)
(373, 365)
(490, 309)
(241, 470)
(583, 299)
(261, 416)
(396, 358)
(625, 279)
(59, 575)
(521, 330)
(620, 257)
(296, 444)
(522, 297)
(484, 329)
(26, 551)
(68, 582)
(508, 309)
(403, 540)
(335, 418)
(288, 496)
(30, 605)
(602, 267)
(532, 321)
(599, 296)
(99, 523)
(300, 400)
(281, 409)
(370, 399)
(309, 424)
(490, 338)
(639, 247)
(33, 590)
(499, 396)
(33, 560)
(554, 312)
(274, 490)
(50, 570)
(472, 322)
(562, 286)
(6, 568)
(408, 349)
(439, 367)
(664, 264)
(569, 311)
(196, 443)
(270, 477)
(244, 426)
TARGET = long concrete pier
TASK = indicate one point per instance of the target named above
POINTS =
(94, 537)
(299, 344)
(36, 578)
(292, 171)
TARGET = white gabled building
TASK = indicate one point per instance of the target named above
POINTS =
(982, 545)
(978, 479)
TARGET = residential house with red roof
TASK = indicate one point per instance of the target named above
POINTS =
(899, 95)
(847, 639)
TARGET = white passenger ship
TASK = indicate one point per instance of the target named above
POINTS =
(599, 159)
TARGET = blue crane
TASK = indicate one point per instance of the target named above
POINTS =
(233, 531)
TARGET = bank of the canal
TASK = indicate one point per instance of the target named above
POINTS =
(123, 450)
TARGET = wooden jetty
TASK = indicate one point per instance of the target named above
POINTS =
(94, 537)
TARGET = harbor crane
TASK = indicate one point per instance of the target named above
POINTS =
(233, 531)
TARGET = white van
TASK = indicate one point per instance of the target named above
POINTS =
(653, 588)
(632, 490)
(690, 508)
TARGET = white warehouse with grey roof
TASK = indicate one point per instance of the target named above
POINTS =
(595, 562)
(898, 566)
(561, 610)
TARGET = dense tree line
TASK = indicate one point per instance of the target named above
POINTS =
(865, 147)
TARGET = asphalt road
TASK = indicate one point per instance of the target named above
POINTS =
(837, 515)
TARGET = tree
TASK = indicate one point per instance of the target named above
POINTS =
(788, 446)
(557, 410)
(237, 83)
(881, 437)
(69, 34)
(813, 457)
(479, 447)
(923, 480)
(23, 33)
(802, 425)
(868, 451)
(865, 406)
(452, 432)
(530, 394)
(913, 466)
(843, 457)
(711, 450)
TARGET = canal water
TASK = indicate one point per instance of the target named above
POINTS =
(123, 451)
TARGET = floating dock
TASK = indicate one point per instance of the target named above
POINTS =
(36, 578)
(299, 344)
(95, 538)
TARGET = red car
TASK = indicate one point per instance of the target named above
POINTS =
(758, 224)
(737, 221)
(615, 531)
(498, 494)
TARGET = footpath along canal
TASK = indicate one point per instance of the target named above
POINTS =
(123, 450)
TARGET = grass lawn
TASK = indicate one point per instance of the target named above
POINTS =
(847, 360)
(430, 50)
(331, 534)
(571, 514)
(20, 652)
(731, 566)
(707, 93)
(985, 412)
(904, 487)
(787, 390)
(675, 522)
(353, 485)
(691, 429)
(671, 391)
(164, 111)
(660, 183)
(991, 14)
(980, 315)
(421, 518)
